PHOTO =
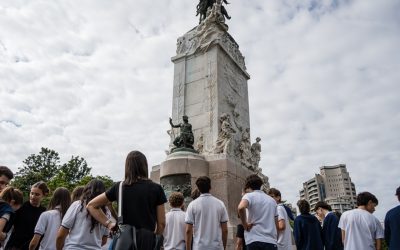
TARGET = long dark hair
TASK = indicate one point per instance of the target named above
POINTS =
(62, 198)
(136, 167)
(91, 190)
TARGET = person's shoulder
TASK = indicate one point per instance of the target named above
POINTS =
(394, 211)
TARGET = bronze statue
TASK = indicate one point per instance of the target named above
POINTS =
(203, 6)
(186, 138)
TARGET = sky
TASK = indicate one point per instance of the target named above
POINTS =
(94, 78)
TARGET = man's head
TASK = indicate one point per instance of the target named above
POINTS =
(321, 208)
(304, 206)
(5, 177)
(368, 201)
(176, 199)
(203, 183)
(275, 194)
(185, 118)
(258, 139)
(398, 193)
(254, 182)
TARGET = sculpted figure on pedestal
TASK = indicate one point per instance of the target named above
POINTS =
(200, 144)
(185, 139)
(255, 153)
(245, 149)
(203, 5)
(226, 132)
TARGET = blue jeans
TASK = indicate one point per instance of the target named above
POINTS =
(261, 246)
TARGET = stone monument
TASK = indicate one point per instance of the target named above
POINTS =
(210, 89)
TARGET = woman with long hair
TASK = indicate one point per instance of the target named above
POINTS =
(143, 200)
(49, 222)
(27, 216)
(83, 231)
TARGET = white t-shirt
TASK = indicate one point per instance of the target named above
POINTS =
(361, 229)
(262, 212)
(47, 226)
(285, 236)
(174, 232)
(79, 224)
(206, 214)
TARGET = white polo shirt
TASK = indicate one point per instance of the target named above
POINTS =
(174, 232)
(262, 212)
(47, 226)
(285, 236)
(206, 214)
(361, 229)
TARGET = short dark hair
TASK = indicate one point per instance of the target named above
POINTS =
(254, 182)
(6, 172)
(135, 167)
(322, 204)
(304, 206)
(203, 183)
(364, 197)
(176, 199)
(274, 192)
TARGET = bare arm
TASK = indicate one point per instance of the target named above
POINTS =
(242, 214)
(224, 230)
(94, 208)
(172, 125)
(280, 224)
(239, 244)
(378, 244)
(160, 219)
(61, 235)
(188, 236)
(343, 236)
(34, 242)
(3, 223)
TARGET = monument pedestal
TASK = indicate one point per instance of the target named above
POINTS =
(181, 169)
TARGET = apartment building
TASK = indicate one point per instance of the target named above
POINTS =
(333, 185)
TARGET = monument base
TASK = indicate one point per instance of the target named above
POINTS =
(227, 180)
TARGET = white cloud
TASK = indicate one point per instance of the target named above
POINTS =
(94, 79)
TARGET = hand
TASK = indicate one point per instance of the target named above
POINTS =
(112, 227)
(247, 226)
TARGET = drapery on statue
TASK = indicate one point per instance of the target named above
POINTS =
(225, 135)
(256, 153)
(203, 6)
(185, 138)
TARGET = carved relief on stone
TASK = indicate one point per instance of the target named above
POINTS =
(200, 144)
(245, 149)
(256, 154)
(172, 135)
(229, 44)
(224, 141)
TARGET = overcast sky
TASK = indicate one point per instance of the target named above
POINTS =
(94, 78)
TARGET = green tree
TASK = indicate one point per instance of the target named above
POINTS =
(41, 167)
(46, 167)
(70, 174)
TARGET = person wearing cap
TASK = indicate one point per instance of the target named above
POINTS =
(392, 225)
(331, 235)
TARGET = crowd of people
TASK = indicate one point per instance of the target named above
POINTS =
(85, 218)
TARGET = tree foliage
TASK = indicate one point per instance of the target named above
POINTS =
(45, 166)
(41, 167)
